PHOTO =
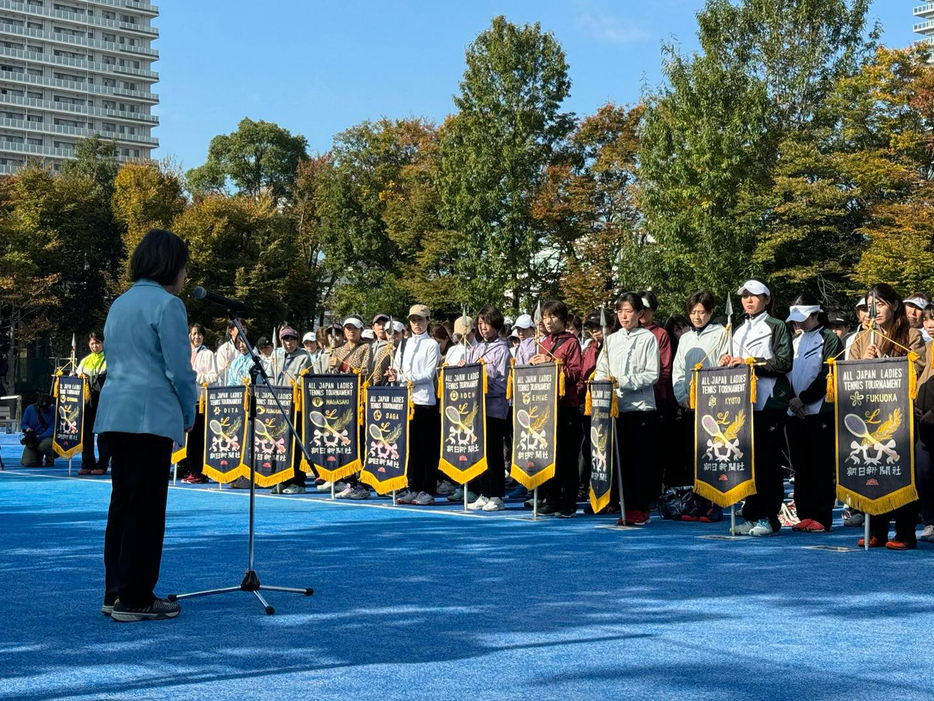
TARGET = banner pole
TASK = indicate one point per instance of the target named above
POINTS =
(465, 496)
(619, 471)
(175, 475)
(69, 466)
(732, 519)
(866, 533)
(393, 497)
(535, 504)
(332, 490)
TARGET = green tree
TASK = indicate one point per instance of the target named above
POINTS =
(509, 127)
(259, 158)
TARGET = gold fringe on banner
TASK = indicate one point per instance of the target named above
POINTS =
(598, 504)
(725, 499)
(534, 481)
(273, 479)
(400, 482)
(875, 507)
(831, 394)
(753, 382)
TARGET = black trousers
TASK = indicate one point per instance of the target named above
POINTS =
(584, 466)
(194, 456)
(636, 434)
(924, 479)
(561, 490)
(424, 449)
(812, 454)
(493, 481)
(87, 451)
(769, 437)
(136, 520)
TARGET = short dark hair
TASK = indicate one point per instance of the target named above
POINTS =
(634, 299)
(702, 297)
(160, 257)
(649, 297)
(96, 336)
(492, 316)
(555, 307)
(197, 327)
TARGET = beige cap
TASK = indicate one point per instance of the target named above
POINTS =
(463, 325)
(419, 310)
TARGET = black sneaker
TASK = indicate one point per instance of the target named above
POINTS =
(108, 609)
(547, 508)
(156, 611)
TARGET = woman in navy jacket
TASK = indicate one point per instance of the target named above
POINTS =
(148, 401)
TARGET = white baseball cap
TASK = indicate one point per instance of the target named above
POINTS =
(754, 287)
(309, 336)
(398, 327)
(524, 322)
(801, 312)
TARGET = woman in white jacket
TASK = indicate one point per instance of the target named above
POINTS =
(704, 344)
(204, 364)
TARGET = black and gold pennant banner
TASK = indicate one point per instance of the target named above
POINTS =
(463, 422)
(875, 433)
(535, 391)
(70, 397)
(330, 412)
(388, 410)
(724, 455)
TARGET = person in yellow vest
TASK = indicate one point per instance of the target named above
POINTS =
(93, 367)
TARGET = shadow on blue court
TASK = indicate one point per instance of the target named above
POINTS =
(429, 604)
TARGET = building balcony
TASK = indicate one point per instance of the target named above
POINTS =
(924, 10)
(75, 41)
(45, 128)
(83, 88)
(64, 61)
(150, 120)
(924, 27)
(137, 5)
(81, 19)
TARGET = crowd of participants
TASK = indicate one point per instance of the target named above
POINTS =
(794, 426)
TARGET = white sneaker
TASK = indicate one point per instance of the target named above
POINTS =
(444, 488)
(423, 499)
(744, 528)
(344, 493)
(762, 529)
(478, 504)
(494, 504)
(407, 497)
(324, 487)
(927, 535)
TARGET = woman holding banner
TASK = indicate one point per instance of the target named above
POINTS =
(810, 418)
(764, 341)
(149, 401)
(94, 368)
(493, 352)
(702, 345)
(894, 339)
(203, 363)
(631, 356)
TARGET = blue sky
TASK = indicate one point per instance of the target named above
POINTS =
(317, 67)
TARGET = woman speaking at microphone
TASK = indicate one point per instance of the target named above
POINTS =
(148, 401)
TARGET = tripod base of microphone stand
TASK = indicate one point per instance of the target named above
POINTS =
(250, 583)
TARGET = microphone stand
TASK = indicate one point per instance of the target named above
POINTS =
(250, 582)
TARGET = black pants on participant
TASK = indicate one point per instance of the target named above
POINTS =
(812, 454)
(493, 481)
(194, 455)
(561, 490)
(769, 437)
(636, 433)
(424, 449)
(136, 520)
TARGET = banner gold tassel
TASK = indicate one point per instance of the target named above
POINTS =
(296, 394)
(753, 380)
(486, 386)
(440, 385)
(201, 398)
(614, 402)
(912, 376)
(588, 402)
(87, 390)
(560, 379)
(246, 395)
(411, 404)
(361, 407)
(511, 380)
(831, 395)
(693, 391)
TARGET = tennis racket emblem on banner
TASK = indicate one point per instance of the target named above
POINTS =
(225, 433)
(387, 434)
(271, 438)
(331, 418)
(535, 390)
(461, 390)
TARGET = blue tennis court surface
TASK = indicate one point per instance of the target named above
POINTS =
(433, 604)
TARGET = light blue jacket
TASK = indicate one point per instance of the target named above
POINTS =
(150, 385)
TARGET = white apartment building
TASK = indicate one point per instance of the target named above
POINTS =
(70, 69)
(924, 23)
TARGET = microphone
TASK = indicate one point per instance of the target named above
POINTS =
(232, 305)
